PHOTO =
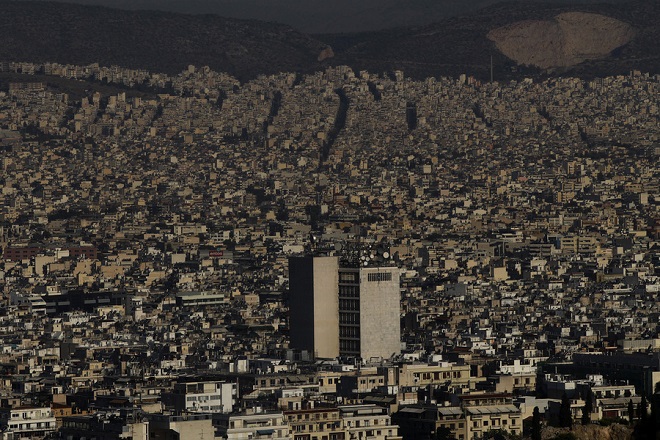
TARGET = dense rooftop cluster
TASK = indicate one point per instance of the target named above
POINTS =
(145, 243)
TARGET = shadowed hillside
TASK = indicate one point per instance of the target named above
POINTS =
(323, 16)
(158, 41)
(461, 44)
(168, 42)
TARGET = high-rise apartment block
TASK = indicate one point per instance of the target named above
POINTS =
(344, 311)
(314, 305)
(369, 312)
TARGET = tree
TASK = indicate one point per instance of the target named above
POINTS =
(587, 409)
(443, 433)
(565, 416)
(496, 434)
(536, 424)
(631, 412)
(655, 414)
(642, 408)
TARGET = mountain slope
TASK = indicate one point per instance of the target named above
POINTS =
(158, 41)
(168, 42)
(461, 44)
(323, 16)
(569, 39)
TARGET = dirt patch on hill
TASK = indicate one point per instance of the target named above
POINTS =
(592, 432)
(568, 39)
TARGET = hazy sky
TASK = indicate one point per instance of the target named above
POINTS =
(323, 16)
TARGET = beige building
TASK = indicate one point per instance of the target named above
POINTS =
(183, 427)
(422, 375)
(481, 419)
(368, 422)
(471, 420)
(369, 312)
(347, 311)
(314, 305)
(265, 426)
(26, 422)
(316, 424)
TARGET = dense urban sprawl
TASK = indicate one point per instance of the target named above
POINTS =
(146, 239)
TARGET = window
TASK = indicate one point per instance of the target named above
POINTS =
(379, 276)
(349, 277)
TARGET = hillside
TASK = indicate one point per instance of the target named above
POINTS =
(591, 432)
(461, 44)
(158, 41)
(322, 16)
(568, 39)
(168, 42)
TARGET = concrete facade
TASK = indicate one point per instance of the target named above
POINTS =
(369, 312)
(314, 305)
(202, 397)
(344, 311)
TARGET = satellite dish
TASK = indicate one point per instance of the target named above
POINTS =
(386, 255)
(338, 246)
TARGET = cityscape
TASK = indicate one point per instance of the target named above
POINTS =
(330, 255)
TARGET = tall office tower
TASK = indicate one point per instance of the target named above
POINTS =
(314, 305)
(369, 312)
(347, 311)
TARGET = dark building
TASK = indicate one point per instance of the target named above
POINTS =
(18, 253)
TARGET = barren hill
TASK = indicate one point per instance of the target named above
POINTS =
(568, 39)
(582, 40)
(585, 40)
(592, 432)
(322, 16)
